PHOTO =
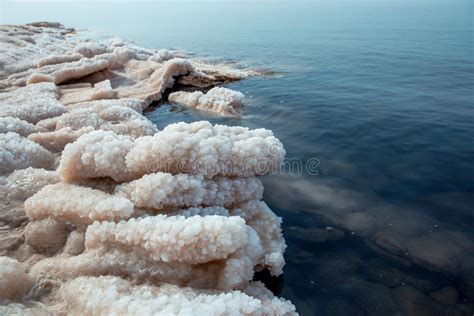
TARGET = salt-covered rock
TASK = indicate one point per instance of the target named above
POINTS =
(110, 295)
(196, 148)
(222, 101)
(15, 125)
(194, 239)
(77, 204)
(32, 103)
(24, 183)
(14, 281)
(163, 190)
(17, 152)
(101, 90)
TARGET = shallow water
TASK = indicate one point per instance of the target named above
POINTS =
(381, 95)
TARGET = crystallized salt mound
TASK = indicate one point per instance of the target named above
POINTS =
(201, 148)
(193, 240)
(166, 249)
(134, 104)
(132, 266)
(22, 45)
(14, 281)
(55, 141)
(21, 184)
(201, 211)
(207, 74)
(32, 103)
(101, 90)
(112, 295)
(17, 152)
(151, 88)
(23, 310)
(197, 148)
(229, 248)
(96, 155)
(90, 49)
(34, 54)
(268, 227)
(277, 306)
(118, 119)
(124, 171)
(77, 204)
(69, 126)
(63, 72)
(58, 59)
(163, 190)
(15, 125)
(261, 218)
(218, 100)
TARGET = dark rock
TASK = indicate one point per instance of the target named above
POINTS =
(447, 295)
(413, 302)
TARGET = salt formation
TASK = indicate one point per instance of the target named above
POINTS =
(111, 295)
(55, 141)
(15, 125)
(268, 227)
(77, 204)
(75, 93)
(14, 281)
(164, 221)
(32, 103)
(23, 183)
(218, 100)
(196, 148)
(165, 191)
(17, 152)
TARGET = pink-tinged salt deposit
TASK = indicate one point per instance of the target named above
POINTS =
(101, 212)
(221, 101)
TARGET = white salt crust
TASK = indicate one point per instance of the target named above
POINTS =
(218, 100)
(55, 133)
(139, 269)
(164, 190)
(32, 103)
(58, 59)
(14, 281)
(268, 227)
(15, 125)
(21, 184)
(196, 148)
(86, 99)
(77, 204)
(112, 295)
(17, 152)
(119, 119)
(205, 251)
(55, 141)
(134, 104)
(96, 155)
(193, 240)
(101, 90)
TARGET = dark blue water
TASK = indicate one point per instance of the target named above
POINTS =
(381, 93)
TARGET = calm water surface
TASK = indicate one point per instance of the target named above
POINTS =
(381, 94)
